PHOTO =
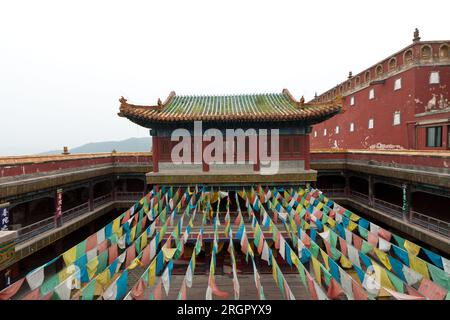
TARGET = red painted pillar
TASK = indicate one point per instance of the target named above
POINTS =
(256, 166)
(204, 164)
(306, 151)
(155, 153)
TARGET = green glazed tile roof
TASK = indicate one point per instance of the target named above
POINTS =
(245, 107)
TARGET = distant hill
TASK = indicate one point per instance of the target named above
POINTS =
(128, 145)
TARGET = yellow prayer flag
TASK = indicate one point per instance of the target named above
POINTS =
(381, 274)
(119, 232)
(136, 262)
(412, 248)
(132, 233)
(418, 265)
(316, 267)
(325, 259)
(331, 222)
(345, 263)
(319, 206)
(168, 253)
(274, 271)
(250, 250)
(351, 225)
(193, 261)
(354, 217)
(103, 278)
(383, 258)
(325, 200)
(306, 203)
(92, 267)
(65, 273)
(116, 225)
(152, 273)
(70, 255)
(143, 241)
(294, 258)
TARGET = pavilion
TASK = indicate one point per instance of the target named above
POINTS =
(269, 131)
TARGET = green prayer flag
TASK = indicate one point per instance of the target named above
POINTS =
(137, 245)
(261, 293)
(145, 276)
(55, 296)
(326, 275)
(335, 254)
(102, 261)
(88, 291)
(364, 233)
(347, 213)
(397, 282)
(366, 247)
(50, 284)
(113, 238)
(81, 249)
(439, 276)
(400, 241)
(333, 239)
(301, 273)
(314, 249)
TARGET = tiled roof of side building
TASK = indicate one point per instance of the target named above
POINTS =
(246, 107)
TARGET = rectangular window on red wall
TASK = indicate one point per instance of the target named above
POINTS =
(296, 145)
(434, 137)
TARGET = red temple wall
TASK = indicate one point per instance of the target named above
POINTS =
(411, 99)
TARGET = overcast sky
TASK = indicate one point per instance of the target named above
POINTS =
(65, 64)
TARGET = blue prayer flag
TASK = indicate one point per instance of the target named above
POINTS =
(122, 284)
(402, 254)
(435, 258)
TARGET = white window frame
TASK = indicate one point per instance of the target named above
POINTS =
(397, 84)
(372, 94)
(336, 130)
(434, 77)
(325, 132)
(371, 123)
(397, 118)
(352, 100)
(352, 126)
(315, 134)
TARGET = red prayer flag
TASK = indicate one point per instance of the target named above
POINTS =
(216, 291)
(334, 290)
(312, 289)
(343, 245)
(138, 290)
(372, 239)
(91, 242)
(431, 290)
(131, 254)
(8, 292)
(112, 253)
(33, 295)
(386, 235)
(357, 241)
(358, 292)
